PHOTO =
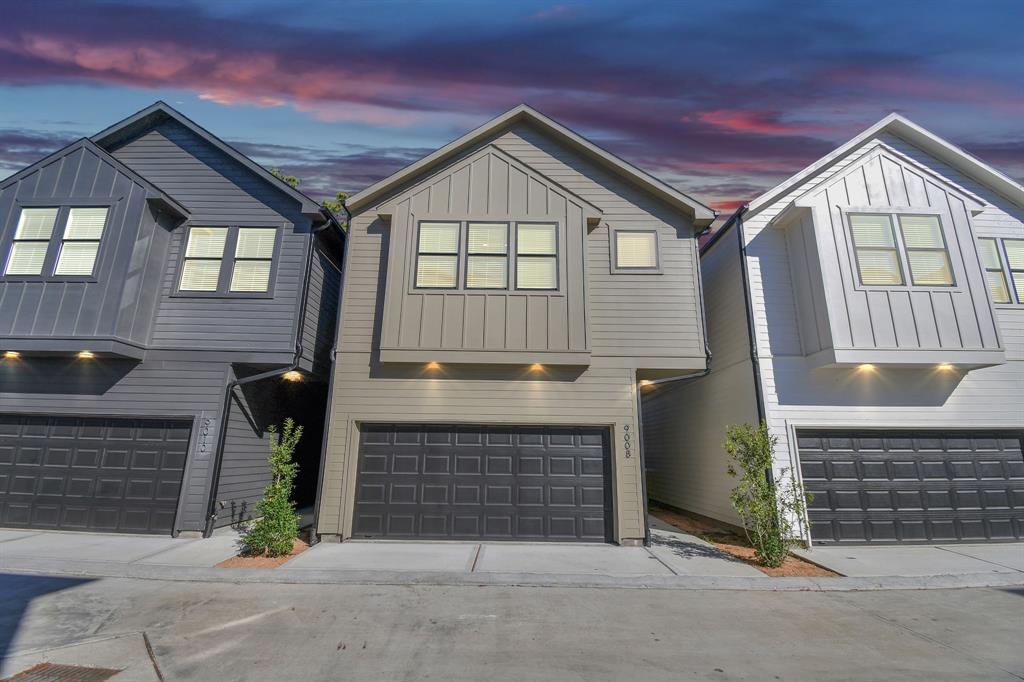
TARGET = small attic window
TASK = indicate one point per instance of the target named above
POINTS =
(635, 251)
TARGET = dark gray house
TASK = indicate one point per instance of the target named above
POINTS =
(163, 301)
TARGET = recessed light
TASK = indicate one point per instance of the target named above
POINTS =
(11, 354)
(433, 365)
(945, 366)
(86, 354)
(292, 376)
(536, 367)
(645, 382)
(865, 368)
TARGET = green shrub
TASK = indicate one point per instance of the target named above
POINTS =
(768, 510)
(277, 526)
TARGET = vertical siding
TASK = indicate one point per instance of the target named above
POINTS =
(322, 299)
(684, 423)
(909, 318)
(79, 309)
(219, 191)
(487, 185)
(632, 319)
(796, 396)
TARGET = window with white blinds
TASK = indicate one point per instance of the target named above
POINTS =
(636, 250)
(81, 241)
(487, 256)
(204, 255)
(537, 256)
(31, 241)
(1014, 249)
(437, 255)
(995, 275)
(927, 255)
(874, 244)
(254, 254)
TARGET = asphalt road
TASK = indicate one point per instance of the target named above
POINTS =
(208, 631)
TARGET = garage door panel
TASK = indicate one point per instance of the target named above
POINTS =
(920, 487)
(99, 474)
(466, 482)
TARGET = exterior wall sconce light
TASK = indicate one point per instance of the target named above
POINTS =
(292, 376)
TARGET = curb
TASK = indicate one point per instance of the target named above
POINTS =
(301, 576)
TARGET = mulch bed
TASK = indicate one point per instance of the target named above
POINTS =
(737, 545)
(242, 561)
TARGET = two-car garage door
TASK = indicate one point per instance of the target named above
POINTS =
(483, 483)
(92, 474)
(913, 486)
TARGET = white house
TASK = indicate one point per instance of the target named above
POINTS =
(871, 310)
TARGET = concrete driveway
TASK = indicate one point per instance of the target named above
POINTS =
(928, 560)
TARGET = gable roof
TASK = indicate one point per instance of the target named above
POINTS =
(702, 214)
(153, 193)
(160, 111)
(921, 138)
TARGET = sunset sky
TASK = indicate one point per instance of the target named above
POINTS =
(722, 99)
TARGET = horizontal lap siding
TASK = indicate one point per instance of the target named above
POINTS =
(219, 191)
(992, 397)
(245, 471)
(100, 387)
(622, 337)
(321, 316)
(685, 422)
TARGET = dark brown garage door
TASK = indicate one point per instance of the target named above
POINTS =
(76, 473)
(887, 487)
(475, 483)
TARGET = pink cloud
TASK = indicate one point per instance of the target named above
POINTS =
(759, 122)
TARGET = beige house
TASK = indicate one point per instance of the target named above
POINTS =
(502, 300)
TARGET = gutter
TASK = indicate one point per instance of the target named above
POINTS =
(218, 462)
(667, 380)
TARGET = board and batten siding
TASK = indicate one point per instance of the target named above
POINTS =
(622, 337)
(218, 190)
(131, 242)
(797, 396)
(684, 423)
(897, 318)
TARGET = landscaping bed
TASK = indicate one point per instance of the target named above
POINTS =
(259, 561)
(735, 544)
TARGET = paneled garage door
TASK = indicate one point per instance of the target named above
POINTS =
(78, 473)
(474, 483)
(887, 487)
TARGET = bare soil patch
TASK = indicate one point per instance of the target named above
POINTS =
(732, 543)
(243, 561)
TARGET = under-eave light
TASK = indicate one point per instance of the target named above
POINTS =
(11, 355)
(645, 382)
(433, 365)
(865, 368)
(945, 366)
(292, 376)
(86, 354)
(536, 367)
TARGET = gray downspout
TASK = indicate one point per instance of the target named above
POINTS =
(218, 461)
(683, 377)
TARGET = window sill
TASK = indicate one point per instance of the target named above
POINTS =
(221, 295)
(66, 279)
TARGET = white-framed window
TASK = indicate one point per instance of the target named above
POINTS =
(927, 253)
(254, 255)
(995, 273)
(887, 247)
(1014, 249)
(635, 251)
(437, 255)
(80, 243)
(31, 241)
(537, 256)
(487, 255)
(228, 260)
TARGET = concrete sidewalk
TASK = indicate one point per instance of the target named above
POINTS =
(675, 560)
